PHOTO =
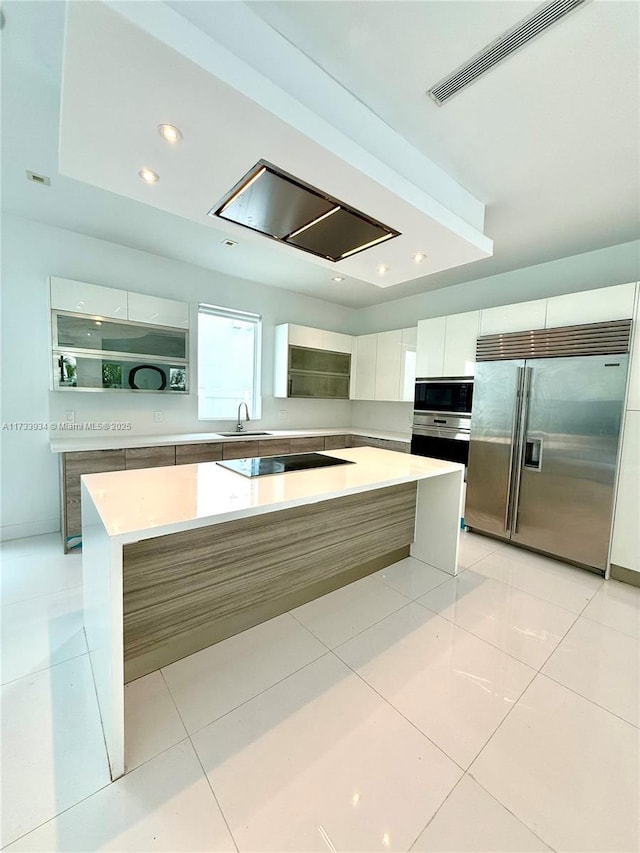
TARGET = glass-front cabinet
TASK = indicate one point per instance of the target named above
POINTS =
(318, 373)
(106, 355)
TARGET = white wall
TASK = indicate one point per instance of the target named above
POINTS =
(33, 251)
(394, 417)
(601, 268)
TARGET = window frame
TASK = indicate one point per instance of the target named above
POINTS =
(255, 404)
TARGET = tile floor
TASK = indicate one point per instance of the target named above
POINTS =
(495, 711)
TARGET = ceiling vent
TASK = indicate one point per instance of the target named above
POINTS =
(276, 204)
(502, 47)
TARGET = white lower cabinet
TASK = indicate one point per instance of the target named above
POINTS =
(625, 546)
(591, 306)
(513, 318)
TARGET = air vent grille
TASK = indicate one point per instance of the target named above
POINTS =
(590, 339)
(510, 41)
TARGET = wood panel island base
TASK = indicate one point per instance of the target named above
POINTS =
(177, 558)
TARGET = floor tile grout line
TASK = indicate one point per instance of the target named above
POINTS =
(398, 711)
(478, 637)
(433, 816)
(199, 760)
(610, 627)
(515, 816)
(43, 669)
(19, 601)
(377, 622)
(255, 696)
(57, 815)
(515, 704)
(213, 794)
(588, 699)
(526, 592)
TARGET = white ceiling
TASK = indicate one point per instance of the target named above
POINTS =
(118, 86)
(548, 140)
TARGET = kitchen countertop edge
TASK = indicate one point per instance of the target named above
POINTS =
(120, 442)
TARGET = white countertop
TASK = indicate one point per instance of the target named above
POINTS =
(75, 441)
(147, 502)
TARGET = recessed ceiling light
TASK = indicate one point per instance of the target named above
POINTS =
(149, 175)
(337, 278)
(419, 257)
(169, 132)
(381, 269)
(229, 243)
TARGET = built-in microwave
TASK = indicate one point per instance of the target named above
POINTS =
(452, 395)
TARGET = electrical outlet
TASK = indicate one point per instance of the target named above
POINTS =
(158, 417)
(70, 416)
(282, 414)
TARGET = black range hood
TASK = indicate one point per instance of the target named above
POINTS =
(284, 208)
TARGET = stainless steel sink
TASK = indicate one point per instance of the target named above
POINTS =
(243, 432)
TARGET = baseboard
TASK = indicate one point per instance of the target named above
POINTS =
(619, 573)
(29, 528)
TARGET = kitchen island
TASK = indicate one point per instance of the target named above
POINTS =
(177, 558)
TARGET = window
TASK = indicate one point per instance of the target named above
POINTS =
(228, 362)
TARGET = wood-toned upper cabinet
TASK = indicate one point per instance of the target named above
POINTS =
(591, 306)
(82, 298)
(461, 334)
(513, 318)
(430, 347)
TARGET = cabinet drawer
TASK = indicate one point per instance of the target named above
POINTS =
(309, 444)
(335, 442)
(275, 447)
(187, 454)
(240, 449)
(149, 457)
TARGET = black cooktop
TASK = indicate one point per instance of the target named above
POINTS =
(261, 465)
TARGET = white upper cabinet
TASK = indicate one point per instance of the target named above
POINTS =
(591, 306)
(513, 318)
(364, 363)
(161, 312)
(447, 345)
(82, 298)
(306, 336)
(408, 364)
(92, 299)
(430, 347)
(337, 342)
(388, 365)
(461, 334)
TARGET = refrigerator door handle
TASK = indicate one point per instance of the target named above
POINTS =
(514, 447)
(519, 448)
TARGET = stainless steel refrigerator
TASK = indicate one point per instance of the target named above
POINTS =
(544, 438)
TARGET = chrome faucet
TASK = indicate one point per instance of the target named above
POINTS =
(239, 426)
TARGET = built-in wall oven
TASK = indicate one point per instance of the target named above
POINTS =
(442, 418)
